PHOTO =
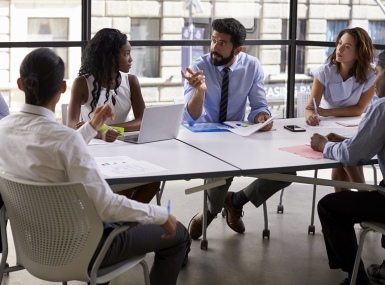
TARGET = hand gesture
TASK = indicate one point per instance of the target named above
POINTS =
(170, 227)
(195, 79)
(101, 114)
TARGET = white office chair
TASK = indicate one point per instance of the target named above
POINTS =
(368, 226)
(56, 231)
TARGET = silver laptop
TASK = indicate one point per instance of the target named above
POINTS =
(158, 124)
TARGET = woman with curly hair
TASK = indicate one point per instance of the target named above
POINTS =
(344, 87)
(104, 79)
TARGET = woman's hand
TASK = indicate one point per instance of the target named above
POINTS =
(312, 120)
(79, 124)
(109, 135)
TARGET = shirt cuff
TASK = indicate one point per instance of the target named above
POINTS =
(188, 119)
(254, 113)
(328, 150)
(161, 215)
(87, 132)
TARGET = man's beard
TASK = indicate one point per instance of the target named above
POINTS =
(223, 61)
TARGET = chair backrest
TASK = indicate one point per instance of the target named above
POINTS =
(64, 113)
(55, 227)
(302, 101)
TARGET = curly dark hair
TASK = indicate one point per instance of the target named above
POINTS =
(365, 54)
(41, 75)
(97, 59)
(381, 60)
(232, 27)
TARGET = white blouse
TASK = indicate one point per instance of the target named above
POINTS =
(339, 93)
(122, 101)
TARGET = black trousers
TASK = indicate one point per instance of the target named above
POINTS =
(140, 239)
(338, 212)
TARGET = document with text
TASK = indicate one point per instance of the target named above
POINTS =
(120, 166)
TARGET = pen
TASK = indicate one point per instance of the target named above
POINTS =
(315, 108)
(169, 206)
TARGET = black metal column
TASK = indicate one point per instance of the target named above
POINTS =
(292, 58)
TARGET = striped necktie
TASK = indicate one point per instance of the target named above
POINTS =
(224, 96)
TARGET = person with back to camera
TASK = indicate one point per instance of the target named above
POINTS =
(103, 79)
(4, 110)
(213, 93)
(344, 88)
(63, 151)
(338, 212)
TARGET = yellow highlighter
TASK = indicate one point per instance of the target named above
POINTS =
(119, 129)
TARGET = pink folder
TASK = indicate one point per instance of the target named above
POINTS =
(304, 150)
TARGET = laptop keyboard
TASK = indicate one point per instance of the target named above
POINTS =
(133, 138)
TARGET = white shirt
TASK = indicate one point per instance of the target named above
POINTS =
(339, 93)
(35, 147)
(122, 97)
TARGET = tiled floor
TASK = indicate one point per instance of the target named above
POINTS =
(290, 256)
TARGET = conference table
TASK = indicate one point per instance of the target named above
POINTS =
(205, 155)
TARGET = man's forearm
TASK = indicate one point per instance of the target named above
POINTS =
(195, 106)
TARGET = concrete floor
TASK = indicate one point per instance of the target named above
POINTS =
(290, 256)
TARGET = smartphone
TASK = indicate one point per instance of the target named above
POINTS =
(294, 128)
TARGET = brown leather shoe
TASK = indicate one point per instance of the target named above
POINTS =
(195, 226)
(233, 215)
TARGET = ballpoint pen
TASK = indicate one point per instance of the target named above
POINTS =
(315, 108)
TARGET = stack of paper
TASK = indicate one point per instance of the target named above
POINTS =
(245, 129)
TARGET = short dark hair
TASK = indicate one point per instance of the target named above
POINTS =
(231, 27)
(41, 75)
(381, 60)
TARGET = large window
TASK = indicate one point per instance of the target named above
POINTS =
(333, 29)
(147, 58)
(158, 60)
(50, 29)
(377, 33)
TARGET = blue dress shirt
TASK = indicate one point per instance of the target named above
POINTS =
(4, 111)
(245, 81)
(366, 143)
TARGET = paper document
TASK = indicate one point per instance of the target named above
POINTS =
(102, 142)
(245, 129)
(121, 166)
(350, 123)
(327, 124)
(205, 127)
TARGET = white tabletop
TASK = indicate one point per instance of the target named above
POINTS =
(259, 152)
(180, 160)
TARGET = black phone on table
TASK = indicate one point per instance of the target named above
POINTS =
(294, 128)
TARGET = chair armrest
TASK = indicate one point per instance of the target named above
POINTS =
(380, 189)
(124, 227)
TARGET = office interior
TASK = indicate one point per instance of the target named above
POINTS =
(290, 38)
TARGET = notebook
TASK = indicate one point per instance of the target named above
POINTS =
(158, 123)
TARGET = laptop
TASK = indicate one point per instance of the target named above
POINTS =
(158, 124)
